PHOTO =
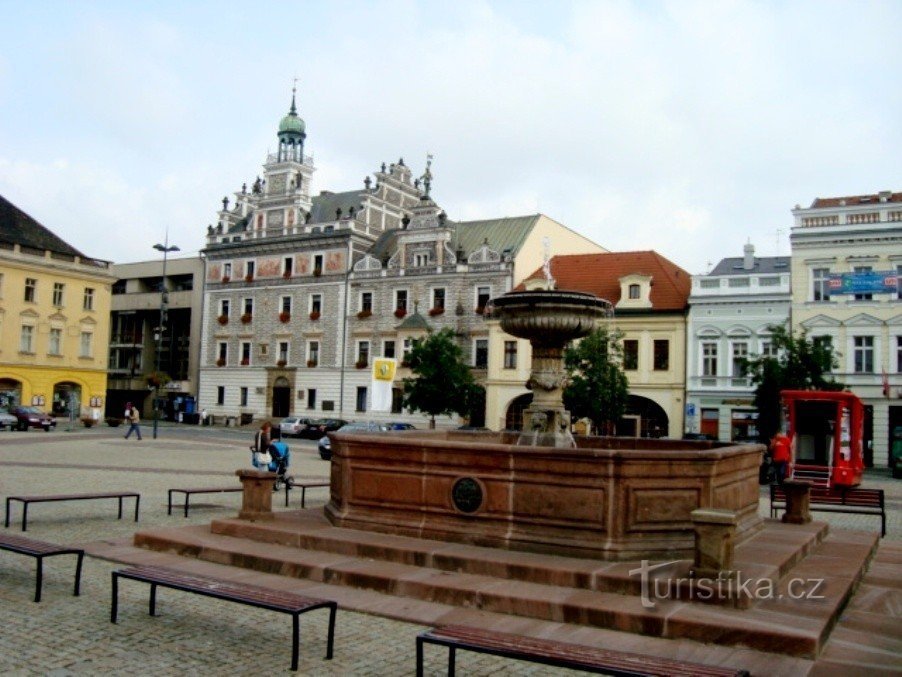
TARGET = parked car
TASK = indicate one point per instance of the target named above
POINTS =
(293, 426)
(325, 444)
(478, 428)
(32, 417)
(699, 436)
(400, 425)
(7, 420)
(321, 426)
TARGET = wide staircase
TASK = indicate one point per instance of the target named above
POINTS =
(791, 584)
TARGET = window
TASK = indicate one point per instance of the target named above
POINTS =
(438, 298)
(709, 358)
(397, 400)
(313, 353)
(31, 289)
(283, 352)
(401, 300)
(318, 264)
(361, 398)
(388, 349)
(227, 270)
(363, 353)
(481, 353)
(224, 308)
(245, 353)
(631, 354)
(740, 355)
(768, 349)
(820, 280)
(898, 281)
(87, 344)
(366, 302)
(243, 397)
(863, 347)
(56, 342)
(408, 344)
(510, 354)
(58, 288)
(26, 339)
(286, 305)
(249, 307)
(483, 294)
(662, 355)
(222, 352)
(249, 269)
(220, 394)
(863, 270)
(634, 291)
(316, 303)
(421, 260)
(88, 300)
(899, 354)
(287, 266)
(311, 398)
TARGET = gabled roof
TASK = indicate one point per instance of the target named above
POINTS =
(504, 233)
(600, 274)
(17, 227)
(854, 200)
(763, 264)
(325, 205)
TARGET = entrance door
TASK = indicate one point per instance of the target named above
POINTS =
(281, 398)
(710, 424)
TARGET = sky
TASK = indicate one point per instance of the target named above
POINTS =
(687, 127)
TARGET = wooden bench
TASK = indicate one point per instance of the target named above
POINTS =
(199, 490)
(252, 595)
(559, 654)
(39, 550)
(837, 499)
(25, 500)
(303, 486)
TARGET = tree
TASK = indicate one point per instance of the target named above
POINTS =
(443, 384)
(598, 387)
(800, 364)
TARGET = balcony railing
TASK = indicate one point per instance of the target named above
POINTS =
(720, 382)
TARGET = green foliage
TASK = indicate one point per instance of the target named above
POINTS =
(443, 383)
(598, 387)
(800, 364)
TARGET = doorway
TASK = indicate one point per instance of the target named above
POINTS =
(281, 398)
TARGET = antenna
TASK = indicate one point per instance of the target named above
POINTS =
(778, 234)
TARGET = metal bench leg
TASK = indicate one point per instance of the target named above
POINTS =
(153, 599)
(78, 574)
(6, 521)
(303, 496)
(187, 496)
(452, 655)
(137, 505)
(169, 503)
(24, 515)
(120, 507)
(114, 602)
(295, 639)
(331, 641)
(40, 579)
(419, 657)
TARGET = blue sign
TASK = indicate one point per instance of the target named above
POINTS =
(875, 282)
(690, 409)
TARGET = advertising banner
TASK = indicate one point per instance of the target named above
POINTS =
(875, 282)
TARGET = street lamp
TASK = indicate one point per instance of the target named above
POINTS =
(164, 300)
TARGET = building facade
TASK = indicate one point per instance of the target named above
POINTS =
(846, 263)
(138, 350)
(54, 320)
(730, 312)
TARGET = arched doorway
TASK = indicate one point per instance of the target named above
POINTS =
(652, 419)
(66, 399)
(513, 420)
(281, 397)
(10, 393)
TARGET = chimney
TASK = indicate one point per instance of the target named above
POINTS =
(748, 259)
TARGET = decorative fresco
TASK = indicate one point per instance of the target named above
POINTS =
(269, 267)
(302, 265)
(214, 272)
(335, 261)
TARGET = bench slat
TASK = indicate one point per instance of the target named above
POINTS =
(29, 546)
(73, 497)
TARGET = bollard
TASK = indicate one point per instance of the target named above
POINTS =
(798, 501)
(715, 534)
(256, 501)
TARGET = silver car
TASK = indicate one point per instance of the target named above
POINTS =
(325, 444)
(7, 420)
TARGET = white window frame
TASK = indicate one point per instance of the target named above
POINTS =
(739, 348)
(222, 352)
(360, 351)
(225, 307)
(709, 359)
(444, 292)
(360, 300)
(311, 352)
(395, 299)
(820, 281)
(88, 299)
(873, 350)
(283, 306)
(246, 352)
(476, 342)
(286, 354)
(59, 294)
(227, 270)
(26, 338)
(86, 344)
(310, 303)
(394, 343)
(476, 294)
(55, 342)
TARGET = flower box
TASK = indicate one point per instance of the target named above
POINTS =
(248, 278)
(363, 314)
(281, 363)
(479, 310)
(226, 278)
(314, 315)
(311, 363)
(287, 274)
(113, 421)
(87, 421)
(223, 319)
(244, 363)
(436, 311)
(400, 313)
(317, 272)
(362, 364)
(220, 362)
(246, 318)
(284, 317)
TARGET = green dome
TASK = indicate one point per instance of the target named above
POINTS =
(291, 123)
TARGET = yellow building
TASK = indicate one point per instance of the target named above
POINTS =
(54, 320)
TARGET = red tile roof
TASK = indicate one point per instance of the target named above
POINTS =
(852, 200)
(600, 274)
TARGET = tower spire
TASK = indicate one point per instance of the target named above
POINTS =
(294, 109)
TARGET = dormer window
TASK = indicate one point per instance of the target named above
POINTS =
(634, 290)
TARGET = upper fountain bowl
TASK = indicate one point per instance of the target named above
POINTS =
(553, 315)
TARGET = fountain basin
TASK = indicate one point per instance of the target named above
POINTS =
(609, 498)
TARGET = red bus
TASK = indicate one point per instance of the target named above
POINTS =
(826, 430)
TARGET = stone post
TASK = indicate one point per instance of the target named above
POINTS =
(715, 533)
(798, 497)
(256, 502)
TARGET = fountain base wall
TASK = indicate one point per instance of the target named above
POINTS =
(610, 498)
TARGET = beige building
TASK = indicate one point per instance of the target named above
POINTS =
(54, 320)
(846, 262)
(649, 294)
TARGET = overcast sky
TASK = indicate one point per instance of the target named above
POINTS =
(684, 127)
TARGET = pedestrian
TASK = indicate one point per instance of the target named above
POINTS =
(203, 417)
(134, 420)
(262, 438)
(781, 453)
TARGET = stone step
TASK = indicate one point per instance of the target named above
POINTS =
(775, 628)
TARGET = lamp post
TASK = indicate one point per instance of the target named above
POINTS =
(164, 300)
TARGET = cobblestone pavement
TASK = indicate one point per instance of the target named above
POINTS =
(66, 635)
